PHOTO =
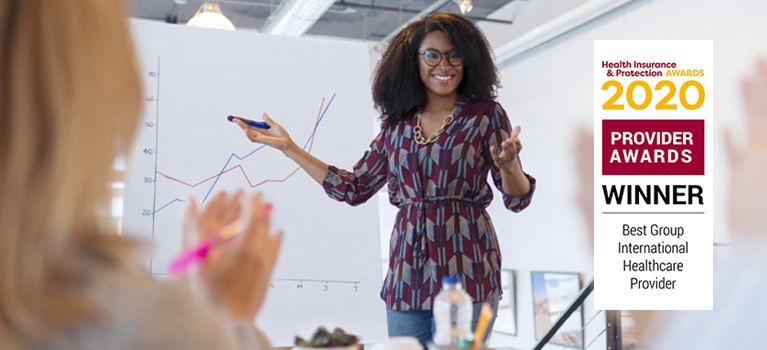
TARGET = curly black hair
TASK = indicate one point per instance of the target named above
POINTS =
(397, 86)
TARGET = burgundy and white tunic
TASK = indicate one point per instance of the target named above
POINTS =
(441, 189)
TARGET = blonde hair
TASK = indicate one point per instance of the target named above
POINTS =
(70, 98)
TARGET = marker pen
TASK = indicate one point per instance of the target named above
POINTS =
(261, 125)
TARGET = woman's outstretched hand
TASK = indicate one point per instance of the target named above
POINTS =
(236, 273)
(508, 158)
(275, 136)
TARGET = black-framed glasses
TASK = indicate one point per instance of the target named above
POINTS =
(432, 57)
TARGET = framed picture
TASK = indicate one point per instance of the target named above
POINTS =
(506, 322)
(552, 293)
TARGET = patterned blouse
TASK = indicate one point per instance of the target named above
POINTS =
(441, 189)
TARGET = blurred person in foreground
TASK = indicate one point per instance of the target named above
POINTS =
(740, 278)
(70, 96)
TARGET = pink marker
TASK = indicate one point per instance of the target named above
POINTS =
(197, 254)
(193, 256)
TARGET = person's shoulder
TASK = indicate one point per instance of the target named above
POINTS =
(483, 108)
(388, 124)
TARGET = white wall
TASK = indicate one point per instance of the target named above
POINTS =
(549, 92)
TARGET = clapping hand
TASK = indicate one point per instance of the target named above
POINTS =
(748, 166)
(236, 273)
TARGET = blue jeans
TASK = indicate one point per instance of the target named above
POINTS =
(420, 324)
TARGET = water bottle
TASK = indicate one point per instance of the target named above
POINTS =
(452, 314)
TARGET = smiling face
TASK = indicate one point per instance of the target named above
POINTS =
(442, 80)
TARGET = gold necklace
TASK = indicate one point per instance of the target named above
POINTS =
(418, 131)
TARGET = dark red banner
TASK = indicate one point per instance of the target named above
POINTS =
(653, 147)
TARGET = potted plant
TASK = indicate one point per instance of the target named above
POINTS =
(338, 339)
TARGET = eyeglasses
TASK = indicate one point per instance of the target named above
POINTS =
(432, 57)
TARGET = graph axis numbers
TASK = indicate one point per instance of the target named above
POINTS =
(156, 100)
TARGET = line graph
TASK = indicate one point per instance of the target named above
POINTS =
(311, 138)
(309, 143)
(329, 269)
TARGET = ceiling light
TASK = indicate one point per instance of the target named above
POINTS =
(465, 5)
(209, 16)
(295, 17)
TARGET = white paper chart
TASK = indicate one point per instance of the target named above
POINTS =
(329, 271)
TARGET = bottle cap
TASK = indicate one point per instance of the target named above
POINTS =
(450, 280)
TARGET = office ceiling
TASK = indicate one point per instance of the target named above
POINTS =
(354, 19)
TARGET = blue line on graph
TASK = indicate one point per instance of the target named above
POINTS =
(318, 121)
(171, 202)
(241, 158)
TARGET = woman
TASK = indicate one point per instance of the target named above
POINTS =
(70, 96)
(441, 134)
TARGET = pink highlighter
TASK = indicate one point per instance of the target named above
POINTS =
(197, 254)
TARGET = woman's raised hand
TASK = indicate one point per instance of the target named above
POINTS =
(275, 136)
(236, 273)
(508, 159)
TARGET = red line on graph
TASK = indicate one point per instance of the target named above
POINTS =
(201, 182)
(316, 123)
(311, 144)
(265, 181)
(243, 174)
